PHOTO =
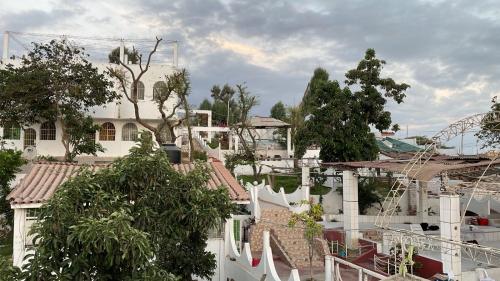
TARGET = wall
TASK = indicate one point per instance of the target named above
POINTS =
(430, 267)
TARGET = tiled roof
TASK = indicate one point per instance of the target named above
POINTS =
(266, 122)
(43, 179)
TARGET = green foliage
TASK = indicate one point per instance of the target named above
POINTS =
(7, 271)
(11, 161)
(278, 111)
(308, 220)
(54, 82)
(205, 105)
(369, 190)
(200, 155)
(339, 120)
(135, 220)
(81, 135)
(114, 56)
(490, 128)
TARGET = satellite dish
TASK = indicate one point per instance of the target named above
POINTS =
(30, 153)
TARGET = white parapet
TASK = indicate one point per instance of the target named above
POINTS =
(239, 266)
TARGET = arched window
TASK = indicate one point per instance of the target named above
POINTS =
(11, 132)
(140, 91)
(129, 132)
(158, 89)
(29, 137)
(107, 132)
(48, 131)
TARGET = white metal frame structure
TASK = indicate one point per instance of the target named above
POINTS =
(476, 252)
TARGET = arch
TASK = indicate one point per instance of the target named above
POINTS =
(29, 138)
(107, 132)
(140, 91)
(158, 88)
(130, 132)
(11, 131)
(48, 131)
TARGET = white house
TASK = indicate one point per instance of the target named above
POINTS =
(119, 126)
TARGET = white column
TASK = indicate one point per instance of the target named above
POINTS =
(236, 143)
(19, 250)
(328, 268)
(5, 53)
(422, 207)
(306, 182)
(350, 208)
(449, 206)
(122, 51)
(289, 142)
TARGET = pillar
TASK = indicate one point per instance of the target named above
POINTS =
(122, 51)
(422, 207)
(236, 143)
(20, 234)
(449, 207)
(5, 53)
(350, 208)
(328, 268)
(289, 142)
(306, 182)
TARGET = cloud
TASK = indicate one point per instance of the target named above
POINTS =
(446, 50)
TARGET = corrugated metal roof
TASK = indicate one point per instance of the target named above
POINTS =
(41, 182)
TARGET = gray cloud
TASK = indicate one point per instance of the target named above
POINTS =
(445, 49)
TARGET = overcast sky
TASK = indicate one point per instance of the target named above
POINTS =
(448, 51)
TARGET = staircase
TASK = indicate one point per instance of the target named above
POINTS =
(289, 241)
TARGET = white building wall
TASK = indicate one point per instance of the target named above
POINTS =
(118, 112)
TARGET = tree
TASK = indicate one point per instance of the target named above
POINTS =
(339, 120)
(278, 111)
(205, 105)
(138, 219)
(55, 82)
(312, 230)
(245, 132)
(224, 107)
(11, 161)
(114, 56)
(490, 127)
(175, 89)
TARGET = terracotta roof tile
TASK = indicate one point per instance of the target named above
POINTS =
(44, 178)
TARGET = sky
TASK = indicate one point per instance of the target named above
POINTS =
(446, 50)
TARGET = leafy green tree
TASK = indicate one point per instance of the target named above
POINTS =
(114, 56)
(308, 220)
(490, 128)
(339, 120)
(205, 105)
(11, 161)
(54, 82)
(278, 111)
(138, 219)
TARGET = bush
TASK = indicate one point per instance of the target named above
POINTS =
(200, 155)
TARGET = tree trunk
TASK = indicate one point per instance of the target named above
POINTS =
(310, 259)
(65, 142)
(188, 125)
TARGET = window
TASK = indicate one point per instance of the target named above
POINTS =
(11, 132)
(129, 132)
(107, 132)
(48, 131)
(32, 213)
(158, 89)
(140, 91)
(29, 137)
